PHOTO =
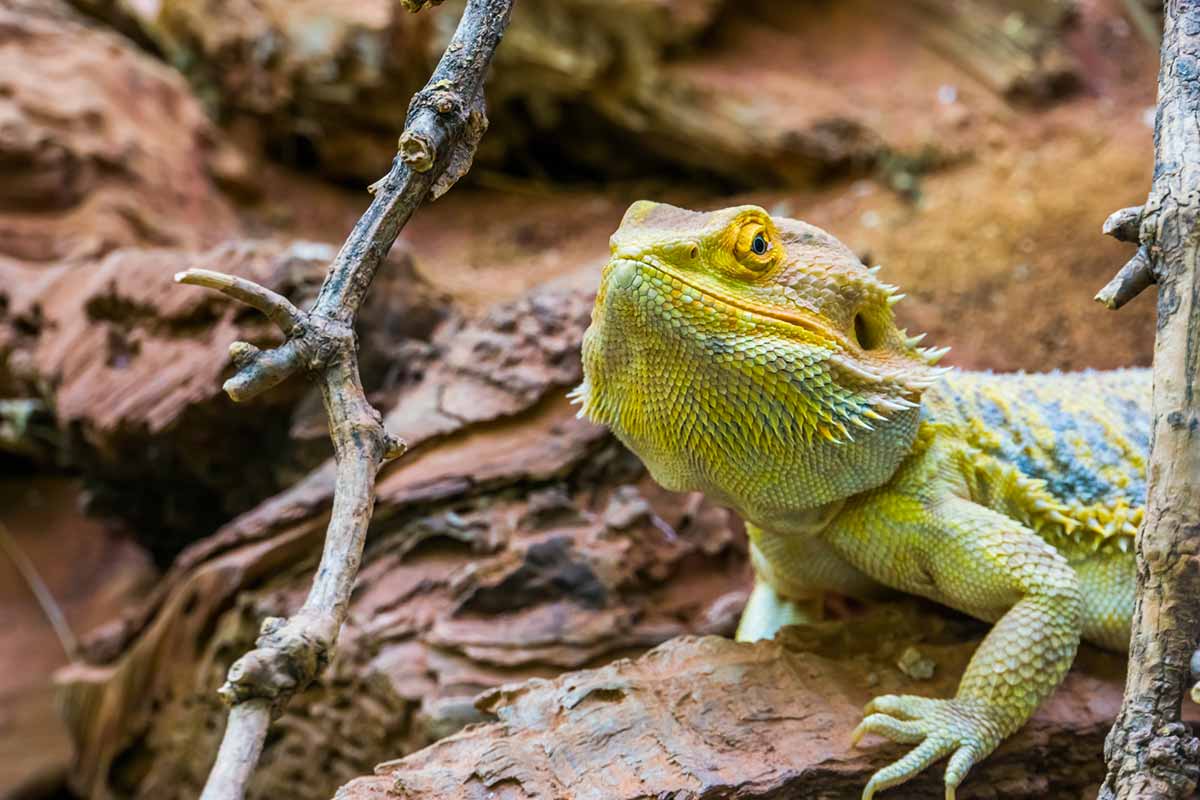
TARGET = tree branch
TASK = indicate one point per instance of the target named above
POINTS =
(445, 122)
(1150, 752)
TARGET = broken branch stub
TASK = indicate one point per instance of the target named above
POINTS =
(445, 122)
(1125, 225)
(1136, 276)
(1130, 281)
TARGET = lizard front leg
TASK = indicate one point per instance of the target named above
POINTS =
(978, 561)
(792, 574)
(767, 611)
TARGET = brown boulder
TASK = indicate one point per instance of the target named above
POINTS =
(130, 364)
(101, 146)
(747, 93)
(91, 575)
(708, 717)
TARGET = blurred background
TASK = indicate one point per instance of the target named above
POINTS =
(972, 147)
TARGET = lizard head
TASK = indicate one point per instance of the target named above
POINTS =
(731, 346)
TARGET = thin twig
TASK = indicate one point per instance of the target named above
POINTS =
(277, 307)
(1150, 752)
(41, 592)
(239, 754)
(445, 122)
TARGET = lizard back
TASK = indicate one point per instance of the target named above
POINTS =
(1077, 443)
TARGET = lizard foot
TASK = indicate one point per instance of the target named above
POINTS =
(939, 728)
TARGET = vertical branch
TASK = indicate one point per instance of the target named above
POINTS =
(445, 122)
(1150, 752)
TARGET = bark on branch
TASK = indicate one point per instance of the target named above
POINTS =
(1150, 752)
(445, 122)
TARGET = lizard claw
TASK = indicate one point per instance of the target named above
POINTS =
(939, 728)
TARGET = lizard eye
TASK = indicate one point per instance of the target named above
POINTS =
(753, 247)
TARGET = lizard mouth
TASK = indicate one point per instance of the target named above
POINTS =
(805, 321)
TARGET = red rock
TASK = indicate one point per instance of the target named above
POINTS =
(708, 717)
(92, 575)
(663, 85)
(131, 364)
(100, 145)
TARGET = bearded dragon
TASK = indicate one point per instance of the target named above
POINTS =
(756, 359)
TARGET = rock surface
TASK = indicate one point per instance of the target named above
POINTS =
(702, 717)
(112, 184)
(92, 576)
(585, 90)
(100, 145)
(130, 365)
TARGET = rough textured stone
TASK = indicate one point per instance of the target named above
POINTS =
(92, 575)
(112, 179)
(666, 85)
(705, 717)
(130, 365)
(100, 145)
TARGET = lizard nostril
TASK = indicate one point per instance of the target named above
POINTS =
(695, 252)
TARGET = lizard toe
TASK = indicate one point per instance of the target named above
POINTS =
(908, 767)
(901, 706)
(942, 727)
(898, 730)
(963, 759)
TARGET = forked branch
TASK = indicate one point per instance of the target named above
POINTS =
(445, 122)
(1150, 752)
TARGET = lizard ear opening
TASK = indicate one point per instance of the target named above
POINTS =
(866, 335)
